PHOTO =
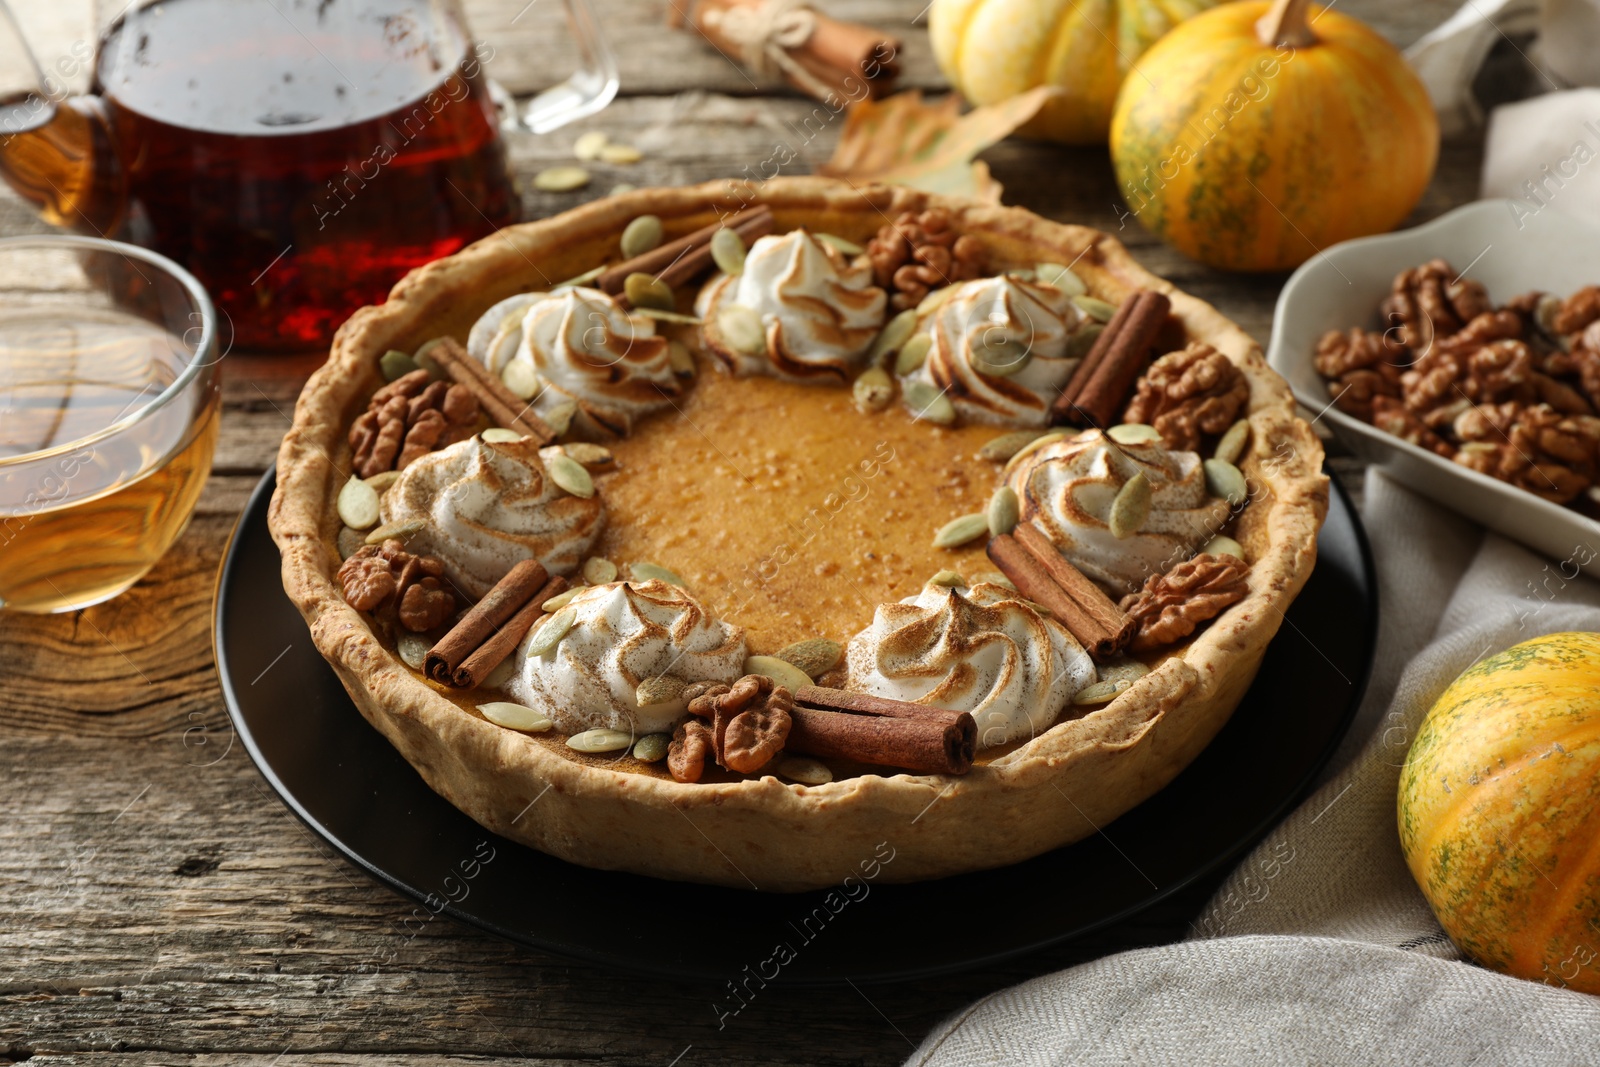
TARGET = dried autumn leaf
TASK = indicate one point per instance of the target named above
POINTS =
(903, 141)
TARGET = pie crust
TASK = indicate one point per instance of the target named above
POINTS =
(764, 833)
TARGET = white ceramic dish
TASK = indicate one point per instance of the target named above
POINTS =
(1343, 286)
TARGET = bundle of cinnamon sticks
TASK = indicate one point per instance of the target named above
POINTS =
(1098, 390)
(506, 408)
(679, 262)
(1044, 576)
(834, 723)
(821, 56)
(494, 627)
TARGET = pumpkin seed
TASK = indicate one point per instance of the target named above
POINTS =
(816, 656)
(623, 154)
(1004, 510)
(839, 244)
(497, 678)
(642, 235)
(350, 542)
(873, 390)
(383, 480)
(895, 333)
(1227, 481)
(663, 315)
(1037, 443)
(397, 531)
(515, 716)
(1082, 339)
(1060, 276)
(680, 359)
(999, 449)
(1001, 358)
(1133, 433)
(1101, 692)
(1095, 308)
(1122, 669)
(1130, 508)
(560, 179)
(581, 279)
(622, 187)
(958, 532)
(424, 359)
(588, 145)
(551, 631)
(1232, 444)
(561, 600)
(570, 475)
(741, 328)
(662, 689)
(927, 401)
(1221, 545)
(597, 570)
(804, 771)
(646, 572)
(600, 740)
(500, 435)
(1023, 274)
(913, 354)
(935, 298)
(652, 748)
(948, 579)
(784, 673)
(647, 291)
(993, 578)
(412, 649)
(595, 457)
(395, 364)
(727, 251)
(559, 417)
(358, 505)
(520, 377)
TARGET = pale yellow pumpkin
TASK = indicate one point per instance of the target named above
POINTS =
(992, 50)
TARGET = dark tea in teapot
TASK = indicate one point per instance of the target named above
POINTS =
(298, 157)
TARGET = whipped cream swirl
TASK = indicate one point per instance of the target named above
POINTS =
(983, 650)
(626, 632)
(1001, 349)
(584, 347)
(820, 314)
(487, 507)
(1066, 488)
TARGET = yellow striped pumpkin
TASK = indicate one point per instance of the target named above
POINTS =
(1253, 149)
(991, 50)
(1499, 810)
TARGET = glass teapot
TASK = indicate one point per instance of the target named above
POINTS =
(298, 156)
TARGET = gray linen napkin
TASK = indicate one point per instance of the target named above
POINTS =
(1319, 948)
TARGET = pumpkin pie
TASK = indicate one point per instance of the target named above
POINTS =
(730, 562)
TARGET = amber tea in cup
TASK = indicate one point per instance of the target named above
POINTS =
(108, 416)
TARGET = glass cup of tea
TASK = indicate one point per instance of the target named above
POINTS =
(298, 156)
(108, 416)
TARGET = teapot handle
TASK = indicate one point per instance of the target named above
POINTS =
(55, 149)
(590, 88)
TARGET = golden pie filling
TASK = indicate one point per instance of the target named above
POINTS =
(866, 510)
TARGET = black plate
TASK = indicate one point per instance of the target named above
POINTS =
(343, 778)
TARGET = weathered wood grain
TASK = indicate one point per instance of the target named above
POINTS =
(161, 906)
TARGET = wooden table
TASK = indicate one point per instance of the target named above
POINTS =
(160, 902)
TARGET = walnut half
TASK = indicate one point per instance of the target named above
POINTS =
(1171, 605)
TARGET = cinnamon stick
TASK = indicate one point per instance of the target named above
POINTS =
(925, 745)
(819, 696)
(1097, 390)
(836, 62)
(676, 262)
(504, 407)
(1111, 619)
(1032, 579)
(502, 602)
(493, 652)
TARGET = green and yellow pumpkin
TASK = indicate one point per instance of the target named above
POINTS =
(1499, 810)
(992, 50)
(1253, 136)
